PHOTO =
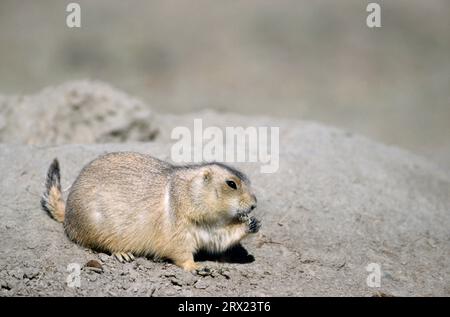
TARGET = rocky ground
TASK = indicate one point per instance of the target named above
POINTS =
(338, 202)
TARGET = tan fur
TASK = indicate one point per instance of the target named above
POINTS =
(133, 203)
(57, 204)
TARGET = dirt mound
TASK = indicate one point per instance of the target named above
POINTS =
(338, 203)
(75, 112)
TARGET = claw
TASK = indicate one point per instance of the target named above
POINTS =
(124, 257)
(119, 257)
(253, 225)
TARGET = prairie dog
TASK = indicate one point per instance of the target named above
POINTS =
(131, 204)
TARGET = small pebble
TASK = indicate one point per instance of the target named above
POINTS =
(176, 282)
(201, 284)
(94, 265)
(104, 257)
(205, 272)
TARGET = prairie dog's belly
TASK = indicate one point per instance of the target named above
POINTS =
(214, 239)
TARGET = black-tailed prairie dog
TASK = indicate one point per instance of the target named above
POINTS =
(131, 204)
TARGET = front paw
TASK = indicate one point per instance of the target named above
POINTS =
(253, 225)
(189, 266)
(243, 217)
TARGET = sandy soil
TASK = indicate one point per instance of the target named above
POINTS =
(338, 202)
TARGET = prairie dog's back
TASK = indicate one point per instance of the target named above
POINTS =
(134, 167)
(117, 197)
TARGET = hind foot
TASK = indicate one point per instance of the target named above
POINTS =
(124, 256)
(187, 265)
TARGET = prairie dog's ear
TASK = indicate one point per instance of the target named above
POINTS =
(206, 174)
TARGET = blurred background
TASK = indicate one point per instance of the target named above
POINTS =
(298, 59)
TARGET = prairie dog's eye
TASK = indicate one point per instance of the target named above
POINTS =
(231, 184)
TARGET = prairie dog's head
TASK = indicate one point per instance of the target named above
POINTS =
(222, 193)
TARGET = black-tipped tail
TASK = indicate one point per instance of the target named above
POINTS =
(51, 200)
